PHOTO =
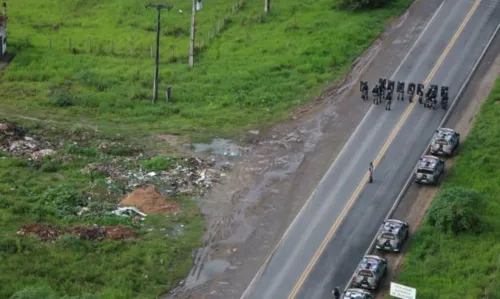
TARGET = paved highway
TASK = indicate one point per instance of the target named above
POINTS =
(325, 242)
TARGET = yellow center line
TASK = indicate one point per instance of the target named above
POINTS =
(395, 131)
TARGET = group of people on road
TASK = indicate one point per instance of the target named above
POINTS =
(384, 89)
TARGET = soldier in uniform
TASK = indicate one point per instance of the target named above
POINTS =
(382, 83)
(390, 86)
(444, 97)
(434, 95)
(388, 100)
(376, 94)
(411, 91)
(420, 92)
(363, 88)
(401, 91)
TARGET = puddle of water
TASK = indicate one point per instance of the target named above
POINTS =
(210, 269)
(220, 147)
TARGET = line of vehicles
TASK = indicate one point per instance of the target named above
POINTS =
(393, 232)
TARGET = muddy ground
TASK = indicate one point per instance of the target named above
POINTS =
(418, 198)
(277, 172)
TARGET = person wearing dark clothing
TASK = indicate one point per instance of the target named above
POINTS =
(444, 97)
(363, 88)
(411, 91)
(401, 90)
(388, 100)
(382, 83)
(370, 169)
(390, 86)
(336, 293)
(376, 94)
(420, 92)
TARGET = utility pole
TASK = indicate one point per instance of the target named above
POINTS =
(158, 7)
(267, 5)
(191, 41)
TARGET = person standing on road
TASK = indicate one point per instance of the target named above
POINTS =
(336, 293)
(388, 101)
(370, 169)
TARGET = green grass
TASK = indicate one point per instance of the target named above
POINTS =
(50, 192)
(258, 69)
(466, 265)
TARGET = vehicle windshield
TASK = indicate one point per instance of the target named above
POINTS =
(365, 273)
(425, 171)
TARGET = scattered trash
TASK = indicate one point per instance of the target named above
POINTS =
(254, 132)
(129, 211)
(14, 141)
(149, 200)
(191, 176)
(51, 233)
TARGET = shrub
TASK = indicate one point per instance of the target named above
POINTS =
(361, 4)
(456, 210)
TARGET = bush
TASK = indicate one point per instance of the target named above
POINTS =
(361, 4)
(456, 210)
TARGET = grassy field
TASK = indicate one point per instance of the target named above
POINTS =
(252, 74)
(466, 265)
(52, 190)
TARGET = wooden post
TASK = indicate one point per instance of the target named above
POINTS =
(90, 47)
(70, 46)
(151, 51)
(112, 47)
(172, 47)
(193, 32)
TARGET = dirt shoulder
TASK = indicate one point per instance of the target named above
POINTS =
(275, 174)
(414, 205)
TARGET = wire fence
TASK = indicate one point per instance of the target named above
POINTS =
(168, 52)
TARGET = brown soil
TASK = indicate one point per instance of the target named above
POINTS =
(149, 200)
(51, 233)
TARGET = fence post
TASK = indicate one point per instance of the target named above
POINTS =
(70, 46)
(172, 47)
(151, 51)
(50, 42)
(112, 47)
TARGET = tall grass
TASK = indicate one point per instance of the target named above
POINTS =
(466, 265)
(253, 74)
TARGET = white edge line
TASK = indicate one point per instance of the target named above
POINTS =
(346, 145)
(445, 119)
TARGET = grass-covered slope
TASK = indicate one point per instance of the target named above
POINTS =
(466, 265)
(257, 69)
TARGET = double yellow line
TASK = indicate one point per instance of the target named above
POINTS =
(360, 187)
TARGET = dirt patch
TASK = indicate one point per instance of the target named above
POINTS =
(422, 197)
(51, 233)
(13, 139)
(149, 200)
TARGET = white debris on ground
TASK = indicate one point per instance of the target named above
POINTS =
(191, 176)
(14, 141)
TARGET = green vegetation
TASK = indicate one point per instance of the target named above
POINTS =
(88, 62)
(258, 68)
(456, 209)
(466, 265)
(52, 191)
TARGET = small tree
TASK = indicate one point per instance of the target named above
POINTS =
(361, 4)
(456, 210)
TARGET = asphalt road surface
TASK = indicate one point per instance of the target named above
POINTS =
(327, 239)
